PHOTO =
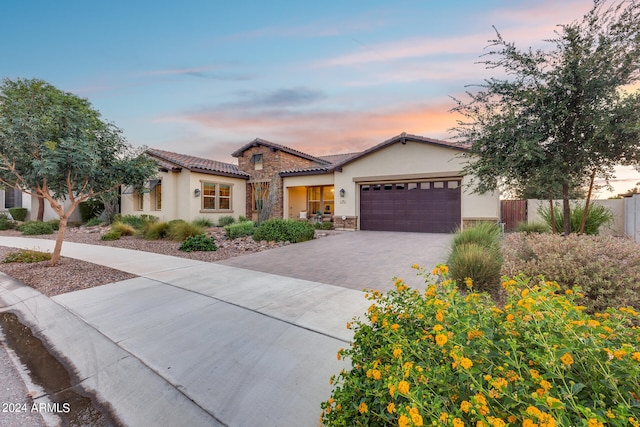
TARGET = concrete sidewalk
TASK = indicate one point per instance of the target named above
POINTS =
(193, 343)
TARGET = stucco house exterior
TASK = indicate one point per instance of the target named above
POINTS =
(406, 183)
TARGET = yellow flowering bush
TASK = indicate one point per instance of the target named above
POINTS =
(443, 357)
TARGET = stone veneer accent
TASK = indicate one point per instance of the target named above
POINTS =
(349, 223)
(274, 161)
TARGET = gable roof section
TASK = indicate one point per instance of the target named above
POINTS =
(403, 138)
(174, 162)
(277, 147)
(335, 159)
(339, 160)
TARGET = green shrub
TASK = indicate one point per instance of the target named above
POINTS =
(27, 256)
(89, 209)
(55, 224)
(111, 235)
(240, 229)
(203, 222)
(223, 221)
(123, 229)
(180, 230)
(243, 218)
(93, 222)
(156, 231)
(34, 228)
(325, 225)
(19, 214)
(198, 242)
(606, 268)
(444, 358)
(597, 216)
(284, 230)
(479, 263)
(532, 227)
(6, 223)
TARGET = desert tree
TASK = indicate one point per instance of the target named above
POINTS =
(54, 146)
(557, 118)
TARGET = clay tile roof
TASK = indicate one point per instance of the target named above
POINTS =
(338, 158)
(170, 161)
(256, 142)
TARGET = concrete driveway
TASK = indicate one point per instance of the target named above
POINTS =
(356, 260)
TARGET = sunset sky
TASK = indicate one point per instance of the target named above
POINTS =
(205, 77)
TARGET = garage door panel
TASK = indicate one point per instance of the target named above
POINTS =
(430, 206)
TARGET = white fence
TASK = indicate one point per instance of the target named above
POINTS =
(632, 217)
(617, 207)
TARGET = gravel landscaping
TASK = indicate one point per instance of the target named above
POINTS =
(71, 274)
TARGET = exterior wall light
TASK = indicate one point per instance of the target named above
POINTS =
(196, 192)
(342, 192)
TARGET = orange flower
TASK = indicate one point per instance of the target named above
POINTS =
(403, 387)
(619, 354)
(392, 390)
(474, 334)
(441, 339)
(466, 363)
(567, 359)
(363, 408)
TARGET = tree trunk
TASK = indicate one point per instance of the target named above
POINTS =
(40, 208)
(586, 204)
(55, 256)
(566, 209)
(552, 214)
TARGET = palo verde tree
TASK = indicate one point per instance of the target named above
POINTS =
(54, 146)
(557, 118)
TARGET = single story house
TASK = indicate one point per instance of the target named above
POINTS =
(406, 183)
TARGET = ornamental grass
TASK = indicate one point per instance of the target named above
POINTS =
(449, 358)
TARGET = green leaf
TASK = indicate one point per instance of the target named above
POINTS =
(575, 388)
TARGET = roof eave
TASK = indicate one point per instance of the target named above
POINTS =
(220, 173)
(305, 173)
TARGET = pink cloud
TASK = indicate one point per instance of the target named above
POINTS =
(407, 48)
(323, 132)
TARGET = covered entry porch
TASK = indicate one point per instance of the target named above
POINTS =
(315, 203)
(311, 197)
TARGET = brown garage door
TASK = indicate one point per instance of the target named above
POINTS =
(428, 206)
